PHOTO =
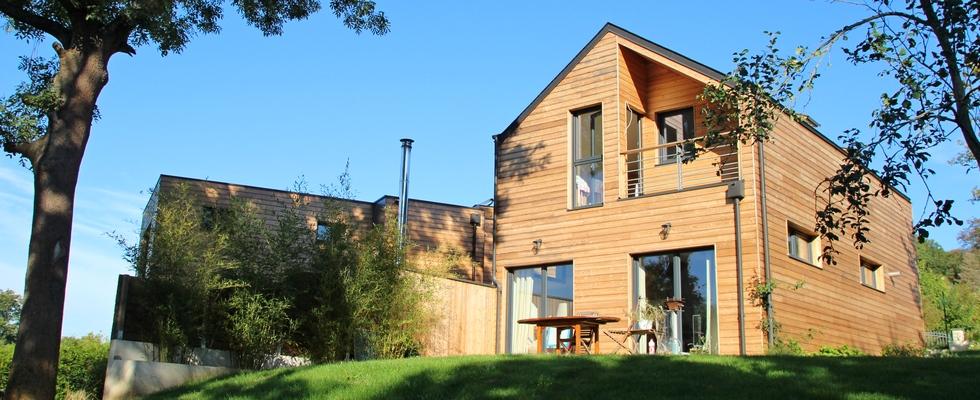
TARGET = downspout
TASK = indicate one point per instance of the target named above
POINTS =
(770, 317)
(493, 238)
(403, 196)
(736, 192)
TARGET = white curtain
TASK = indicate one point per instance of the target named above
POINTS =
(522, 301)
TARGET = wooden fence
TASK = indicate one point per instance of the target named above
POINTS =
(465, 319)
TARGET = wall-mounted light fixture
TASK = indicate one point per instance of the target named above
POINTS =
(537, 246)
(475, 219)
(664, 230)
(894, 274)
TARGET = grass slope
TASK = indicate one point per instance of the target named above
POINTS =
(620, 377)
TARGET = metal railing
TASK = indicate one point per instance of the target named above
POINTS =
(672, 167)
(936, 340)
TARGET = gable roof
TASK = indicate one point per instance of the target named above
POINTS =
(623, 33)
(661, 50)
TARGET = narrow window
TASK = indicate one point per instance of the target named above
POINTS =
(587, 158)
(675, 126)
(634, 160)
(871, 275)
(802, 246)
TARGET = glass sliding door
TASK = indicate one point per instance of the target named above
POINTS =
(689, 275)
(537, 292)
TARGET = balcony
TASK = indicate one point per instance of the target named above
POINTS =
(671, 167)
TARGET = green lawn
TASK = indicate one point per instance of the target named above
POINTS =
(615, 377)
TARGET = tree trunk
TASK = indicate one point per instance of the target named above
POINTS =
(82, 75)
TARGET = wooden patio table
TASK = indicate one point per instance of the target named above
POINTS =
(575, 322)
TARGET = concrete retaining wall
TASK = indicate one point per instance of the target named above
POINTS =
(127, 379)
(134, 369)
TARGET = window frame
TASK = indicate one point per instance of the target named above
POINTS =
(634, 189)
(316, 231)
(877, 274)
(510, 279)
(812, 241)
(595, 159)
(663, 156)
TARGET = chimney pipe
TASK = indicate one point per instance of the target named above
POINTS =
(403, 197)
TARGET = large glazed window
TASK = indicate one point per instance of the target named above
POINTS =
(691, 276)
(675, 126)
(537, 292)
(587, 158)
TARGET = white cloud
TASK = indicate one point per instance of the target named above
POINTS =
(95, 260)
(19, 180)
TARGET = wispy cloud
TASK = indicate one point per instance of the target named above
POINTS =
(95, 260)
(18, 180)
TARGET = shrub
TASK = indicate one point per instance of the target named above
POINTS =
(257, 326)
(786, 348)
(238, 283)
(6, 355)
(81, 367)
(839, 351)
(903, 350)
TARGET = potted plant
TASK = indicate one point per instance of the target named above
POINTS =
(646, 315)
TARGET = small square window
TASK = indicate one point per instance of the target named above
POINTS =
(322, 231)
(802, 246)
(872, 275)
(212, 216)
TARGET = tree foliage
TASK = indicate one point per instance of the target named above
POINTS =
(932, 257)
(46, 123)
(929, 49)
(81, 367)
(109, 27)
(950, 296)
(10, 303)
(263, 287)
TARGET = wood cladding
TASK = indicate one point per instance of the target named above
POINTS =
(833, 307)
(431, 226)
(534, 182)
(465, 325)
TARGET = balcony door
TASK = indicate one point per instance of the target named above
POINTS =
(689, 275)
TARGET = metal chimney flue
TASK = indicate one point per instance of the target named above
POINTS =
(403, 196)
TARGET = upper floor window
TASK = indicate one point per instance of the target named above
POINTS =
(871, 275)
(634, 160)
(587, 158)
(802, 246)
(675, 126)
(212, 216)
(322, 231)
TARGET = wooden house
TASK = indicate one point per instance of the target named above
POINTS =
(598, 211)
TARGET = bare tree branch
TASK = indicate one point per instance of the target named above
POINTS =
(46, 25)
(881, 15)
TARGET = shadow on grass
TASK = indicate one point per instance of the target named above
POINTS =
(276, 384)
(620, 377)
(695, 377)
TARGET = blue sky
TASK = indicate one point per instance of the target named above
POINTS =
(240, 107)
